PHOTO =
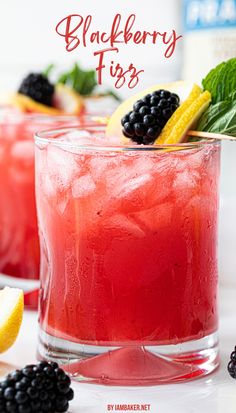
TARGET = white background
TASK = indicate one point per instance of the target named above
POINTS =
(28, 40)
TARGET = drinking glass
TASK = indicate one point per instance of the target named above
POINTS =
(128, 257)
(19, 244)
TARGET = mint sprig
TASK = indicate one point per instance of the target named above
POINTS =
(220, 117)
(221, 81)
(82, 81)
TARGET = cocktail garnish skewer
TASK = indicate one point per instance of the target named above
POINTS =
(208, 135)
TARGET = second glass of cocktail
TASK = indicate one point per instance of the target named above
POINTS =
(19, 244)
(129, 268)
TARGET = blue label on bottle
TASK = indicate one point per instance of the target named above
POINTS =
(209, 14)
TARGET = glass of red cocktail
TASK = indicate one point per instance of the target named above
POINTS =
(19, 244)
(129, 267)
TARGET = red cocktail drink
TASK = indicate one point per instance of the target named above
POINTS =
(19, 244)
(128, 239)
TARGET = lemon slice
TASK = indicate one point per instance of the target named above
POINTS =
(11, 314)
(26, 104)
(68, 100)
(181, 88)
(188, 119)
(194, 94)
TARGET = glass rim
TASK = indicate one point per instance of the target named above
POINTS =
(55, 137)
(11, 112)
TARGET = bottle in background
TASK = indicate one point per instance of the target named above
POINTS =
(210, 35)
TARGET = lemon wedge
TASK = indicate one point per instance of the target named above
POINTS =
(11, 314)
(187, 120)
(181, 88)
(194, 94)
(68, 100)
(26, 104)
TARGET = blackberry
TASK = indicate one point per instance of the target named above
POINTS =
(232, 364)
(149, 115)
(43, 387)
(38, 88)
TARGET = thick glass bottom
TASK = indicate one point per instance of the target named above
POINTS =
(132, 365)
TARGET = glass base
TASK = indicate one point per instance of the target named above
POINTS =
(132, 365)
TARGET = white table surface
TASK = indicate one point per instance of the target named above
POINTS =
(214, 394)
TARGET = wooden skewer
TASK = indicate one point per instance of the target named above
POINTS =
(209, 135)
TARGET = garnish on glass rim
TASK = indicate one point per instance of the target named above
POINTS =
(63, 95)
(37, 95)
(220, 117)
(82, 81)
(154, 101)
(210, 109)
(209, 135)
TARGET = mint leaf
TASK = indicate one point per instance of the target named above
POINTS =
(232, 96)
(211, 115)
(219, 118)
(82, 81)
(221, 81)
(48, 70)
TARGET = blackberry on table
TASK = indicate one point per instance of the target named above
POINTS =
(38, 88)
(43, 387)
(149, 115)
(232, 364)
